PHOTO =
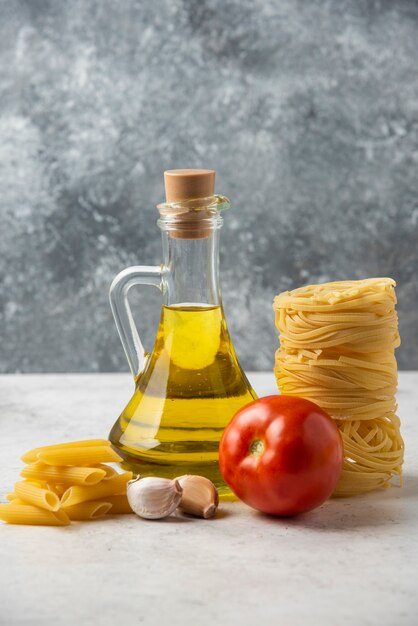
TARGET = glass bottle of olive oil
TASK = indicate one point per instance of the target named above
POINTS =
(190, 386)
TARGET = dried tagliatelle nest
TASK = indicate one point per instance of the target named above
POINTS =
(337, 344)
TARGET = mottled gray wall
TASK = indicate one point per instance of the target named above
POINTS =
(307, 110)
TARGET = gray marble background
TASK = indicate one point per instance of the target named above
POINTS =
(307, 110)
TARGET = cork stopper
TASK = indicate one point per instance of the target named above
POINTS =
(181, 185)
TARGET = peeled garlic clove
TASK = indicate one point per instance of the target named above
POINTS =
(200, 496)
(152, 497)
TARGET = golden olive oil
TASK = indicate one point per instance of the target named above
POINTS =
(190, 389)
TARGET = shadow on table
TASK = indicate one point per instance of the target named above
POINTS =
(378, 509)
(177, 518)
(410, 486)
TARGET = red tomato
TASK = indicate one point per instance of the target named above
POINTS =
(282, 455)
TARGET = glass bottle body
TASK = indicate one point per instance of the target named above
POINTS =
(191, 385)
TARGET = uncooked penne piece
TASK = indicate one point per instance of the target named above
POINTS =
(88, 510)
(61, 515)
(28, 514)
(79, 456)
(57, 474)
(120, 504)
(57, 488)
(38, 496)
(110, 471)
(12, 496)
(32, 455)
(111, 487)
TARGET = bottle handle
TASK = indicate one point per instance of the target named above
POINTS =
(118, 295)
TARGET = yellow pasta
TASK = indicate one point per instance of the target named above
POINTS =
(337, 343)
(38, 496)
(57, 488)
(120, 504)
(56, 474)
(113, 486)
(110, 471)
(87, 510)
(15, 513)
(67, 481)
(32, 455)
(79, 456)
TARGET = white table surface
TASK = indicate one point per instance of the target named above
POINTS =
(352, 561)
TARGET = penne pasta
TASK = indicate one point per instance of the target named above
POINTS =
(88, 510)
(62, 516)
(32, 455)
(79, 456)
(38, 496)
(111, 487)
(56, 474)
(110, 471)
(38, 483)
(57, 488)
(69, 481)
(120, 504)
(28, 514)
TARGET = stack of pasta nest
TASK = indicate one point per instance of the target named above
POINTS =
(337, 343)
(65, 482)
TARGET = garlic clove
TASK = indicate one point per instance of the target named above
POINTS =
(200, 496)
(152, 497)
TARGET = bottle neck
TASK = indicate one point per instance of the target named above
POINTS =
(190, 231)
(191, 273)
